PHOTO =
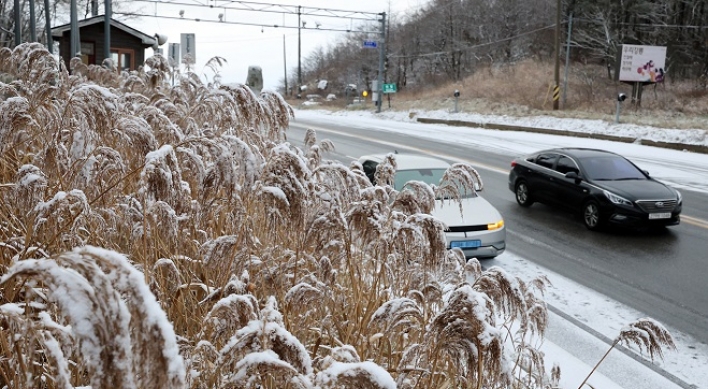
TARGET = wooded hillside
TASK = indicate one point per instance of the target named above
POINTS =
(450, 39)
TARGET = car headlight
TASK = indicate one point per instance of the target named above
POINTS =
(617, 199)
(679, 198)
(495, 226)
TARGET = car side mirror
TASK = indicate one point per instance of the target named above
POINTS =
(573, 176)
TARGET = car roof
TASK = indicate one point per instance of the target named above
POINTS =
(579, 152)
(409, 161)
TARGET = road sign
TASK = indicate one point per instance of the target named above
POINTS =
(189, 51)
(389, 88)
(370, 44)
(173, 54)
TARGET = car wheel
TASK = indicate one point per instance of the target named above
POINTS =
(591, 216)
(523, 194)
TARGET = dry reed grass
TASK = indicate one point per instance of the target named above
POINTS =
(246, 262)
(524, 89)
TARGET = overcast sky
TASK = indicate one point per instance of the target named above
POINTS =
(243, 46)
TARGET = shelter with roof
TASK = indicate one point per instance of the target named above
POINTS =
(127, 44)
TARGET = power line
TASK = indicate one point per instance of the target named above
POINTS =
(467, 48)
(595, 21)
(272, 8)
(238, 23)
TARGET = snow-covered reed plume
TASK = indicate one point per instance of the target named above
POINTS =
(124, 338)
(647, 334)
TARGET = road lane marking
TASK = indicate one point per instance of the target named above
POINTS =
(694, 221)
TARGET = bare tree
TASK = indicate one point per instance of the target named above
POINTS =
(450, 39)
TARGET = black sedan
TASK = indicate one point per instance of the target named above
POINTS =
(604, 187)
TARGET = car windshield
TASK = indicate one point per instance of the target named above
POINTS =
(611, 168)
(429, 176)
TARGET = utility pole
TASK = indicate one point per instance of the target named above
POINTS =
(556, 87)
(48, 27)
(33, 23)
(18, 23)
(382, 53)
(299, 65)
(567, 57)
(285, 68)
(75, 44)
(107, 15)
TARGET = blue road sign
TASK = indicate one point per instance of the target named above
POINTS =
(370, 44)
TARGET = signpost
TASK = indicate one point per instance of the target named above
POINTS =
(639, 65)
(173, 54)
(389, 88)
(642, 63)
(189, 51)
(370, 44)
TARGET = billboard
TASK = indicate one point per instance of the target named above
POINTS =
(187, 44)
(638, 63)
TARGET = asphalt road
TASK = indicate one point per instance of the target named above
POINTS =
(663, 274)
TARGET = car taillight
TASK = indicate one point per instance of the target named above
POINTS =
(513, 163)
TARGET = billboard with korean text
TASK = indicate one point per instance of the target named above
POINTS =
(639, 63)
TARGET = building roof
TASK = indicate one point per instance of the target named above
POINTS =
(146, 39)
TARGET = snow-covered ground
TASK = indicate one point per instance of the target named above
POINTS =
(574, 349)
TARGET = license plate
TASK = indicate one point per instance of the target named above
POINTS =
(465, 244)
(662, 215)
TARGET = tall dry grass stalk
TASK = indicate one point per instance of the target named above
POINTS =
(245, 261)
(647, 334)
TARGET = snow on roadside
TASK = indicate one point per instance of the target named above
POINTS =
(594, 126)
(607, 317)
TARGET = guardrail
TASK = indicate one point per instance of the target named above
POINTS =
(614, 138)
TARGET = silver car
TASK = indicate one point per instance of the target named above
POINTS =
(478, 230)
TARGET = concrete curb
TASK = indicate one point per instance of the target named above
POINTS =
(505, 127)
